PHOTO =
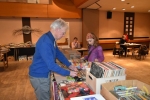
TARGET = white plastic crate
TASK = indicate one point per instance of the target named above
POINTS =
(95, 83)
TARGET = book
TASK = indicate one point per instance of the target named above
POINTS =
(75, 89)
(96, 70)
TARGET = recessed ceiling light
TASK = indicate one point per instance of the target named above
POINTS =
(148, 10)
(122, 0)
(114, 8)
(123, 9)
(132, 6)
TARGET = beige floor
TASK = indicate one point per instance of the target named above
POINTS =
(15, 85)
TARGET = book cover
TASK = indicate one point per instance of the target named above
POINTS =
(75, 89)
(96, 70)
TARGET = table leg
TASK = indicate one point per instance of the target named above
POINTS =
(6, 60)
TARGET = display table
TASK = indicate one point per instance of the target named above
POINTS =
(59, 77)
(89, 97)
(82, 50)
(18, 51)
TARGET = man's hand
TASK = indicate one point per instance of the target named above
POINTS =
(73, 74)
(72, 67)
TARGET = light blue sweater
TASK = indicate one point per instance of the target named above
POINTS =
(45, 56)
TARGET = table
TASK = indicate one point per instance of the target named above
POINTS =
(81, 50)
(131, 45)
(18, 51)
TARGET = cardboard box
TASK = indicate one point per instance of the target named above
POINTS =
(32, 1)
(22, 1)
(95, 83)
(67, 56)
(72, 54)
(106, 87)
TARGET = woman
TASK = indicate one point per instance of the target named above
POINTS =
(75, 44)
(95, 51)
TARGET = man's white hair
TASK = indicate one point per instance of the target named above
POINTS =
(59, 23)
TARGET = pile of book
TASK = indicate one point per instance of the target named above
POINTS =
(74, 89)
(131, 93)
(106, 69)
(79, 63)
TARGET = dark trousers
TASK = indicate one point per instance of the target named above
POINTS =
(124, 48)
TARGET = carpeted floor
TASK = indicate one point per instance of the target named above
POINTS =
(15, 84)
(135, 69)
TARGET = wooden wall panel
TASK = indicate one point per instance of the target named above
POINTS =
(23, 10)
(78, 2)
(63, 9)
(90, 24)
(40, 10)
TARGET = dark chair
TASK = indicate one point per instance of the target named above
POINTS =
(118, 50)
(141, 52)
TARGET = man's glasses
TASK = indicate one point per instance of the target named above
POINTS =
(63, 33)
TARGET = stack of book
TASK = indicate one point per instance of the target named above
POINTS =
(79, 63)
(131, 93)
(106, 69)
(74, 89)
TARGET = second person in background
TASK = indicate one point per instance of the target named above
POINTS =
(94, 49)
(75, 44)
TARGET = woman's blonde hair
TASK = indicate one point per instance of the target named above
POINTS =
(92, 36)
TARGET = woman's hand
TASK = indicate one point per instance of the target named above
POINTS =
(96, 60)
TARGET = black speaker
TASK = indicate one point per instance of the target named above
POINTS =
(109, 14)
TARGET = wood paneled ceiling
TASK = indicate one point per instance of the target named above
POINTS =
(142, 6)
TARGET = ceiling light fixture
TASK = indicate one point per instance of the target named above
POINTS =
(132, 6)
(122, 0)
(123, 9)
(114, 8)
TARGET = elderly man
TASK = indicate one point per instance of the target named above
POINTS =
(46, 53)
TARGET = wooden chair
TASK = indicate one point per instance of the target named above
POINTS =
(2, 59)
(118, 50)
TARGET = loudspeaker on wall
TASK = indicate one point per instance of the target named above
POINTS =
(109, 14)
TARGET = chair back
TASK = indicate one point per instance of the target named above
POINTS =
(1, 55)
(143, 50)
(117, 50)
(117, 46)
